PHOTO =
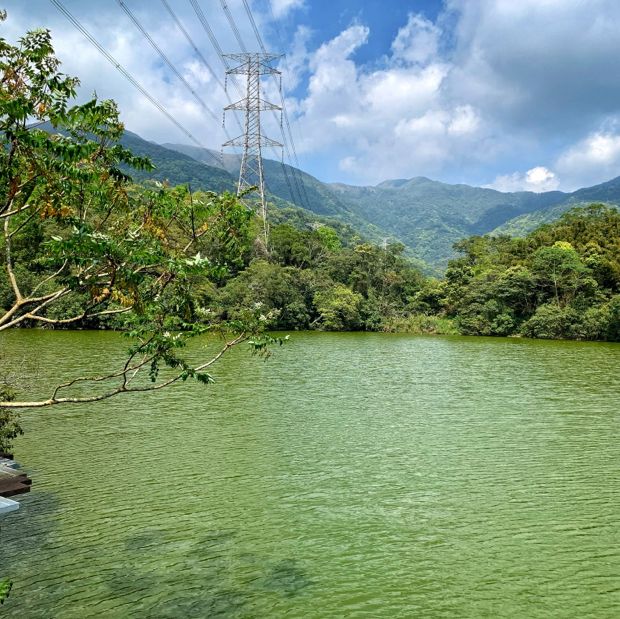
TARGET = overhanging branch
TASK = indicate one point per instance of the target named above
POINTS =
(123, 387)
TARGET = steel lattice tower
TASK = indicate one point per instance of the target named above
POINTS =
(251, 176)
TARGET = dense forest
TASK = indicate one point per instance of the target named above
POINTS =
(560, 281)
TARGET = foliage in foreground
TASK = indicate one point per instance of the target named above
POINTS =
(83, 246)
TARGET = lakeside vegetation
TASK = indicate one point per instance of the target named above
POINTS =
(561, 281)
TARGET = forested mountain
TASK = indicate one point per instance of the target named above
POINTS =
(176, 167)
(296, 188)
(605, 193)
(427, 216)
(560, 281)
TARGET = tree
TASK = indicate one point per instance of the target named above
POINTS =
(82, 245)
(560, 272)
(339, 308)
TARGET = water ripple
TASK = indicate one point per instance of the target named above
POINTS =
(352, 475)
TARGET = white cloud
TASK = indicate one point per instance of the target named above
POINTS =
(400, 92)
(111, 27)
(537, 179)
(281, 8)
(295, 64)
(388, 121)
(417, 41)
(488, 85)
(543, 65)
(592, 160)
(464, 120)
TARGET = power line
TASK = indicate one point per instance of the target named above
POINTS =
(233, 26)
(280, 40)
(198, 52)
(124, 72)
(224, 60)
(253, 23)
(207, 28)
(191, 42)
(165, 58)
(295, 159)
(235, 29)
(251, 173)
(214, 42)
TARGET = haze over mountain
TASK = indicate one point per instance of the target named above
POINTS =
(427, 216)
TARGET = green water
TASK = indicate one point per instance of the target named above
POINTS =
(350, 475)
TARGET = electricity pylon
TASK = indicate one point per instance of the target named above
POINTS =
(251, 176)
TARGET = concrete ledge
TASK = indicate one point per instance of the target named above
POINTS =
(7, 505)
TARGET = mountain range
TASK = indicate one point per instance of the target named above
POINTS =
(427, 216)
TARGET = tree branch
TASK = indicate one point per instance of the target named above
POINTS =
(50, 277)
(48, 299)
(8, 214)
(67, 321)
(123, 388)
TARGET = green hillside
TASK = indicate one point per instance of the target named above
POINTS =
(295, 187)
(430, 216)
(427, 216)
(207, 170)
(524, 224)
(176, 167)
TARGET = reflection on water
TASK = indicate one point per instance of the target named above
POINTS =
(350, 475)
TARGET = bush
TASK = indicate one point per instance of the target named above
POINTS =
(9, 421)
(339, 308)
(613, 327)
(551, 322)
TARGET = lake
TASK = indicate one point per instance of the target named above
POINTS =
(350, 475)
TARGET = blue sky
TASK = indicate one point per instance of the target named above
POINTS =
(328, 18)
(516, 95)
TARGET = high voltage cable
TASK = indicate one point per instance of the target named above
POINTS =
(125, 73)
(233, 26)
(298, 181)
(295, 159)
(277, 29)
(248, 11)
(214, 42)
(198, 53)
(253, 23)
(207, 29)
(212, 38)
(263, 49)
(191, 42)
(165, 58)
